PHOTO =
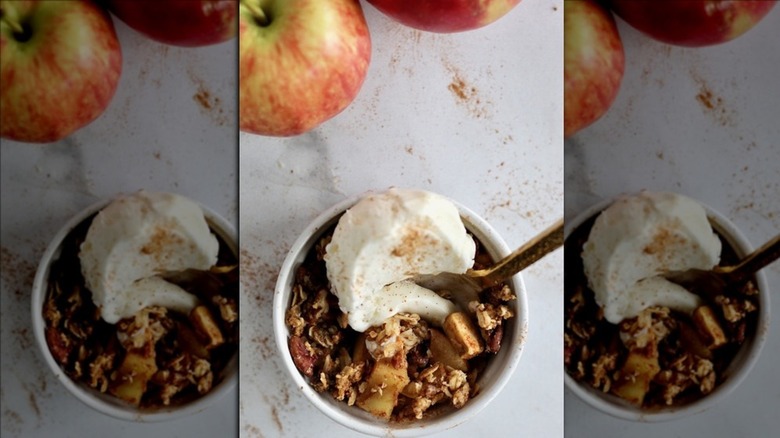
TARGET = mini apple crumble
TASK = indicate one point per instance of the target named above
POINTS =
(661, 357)
(158, 357)
(404, 369)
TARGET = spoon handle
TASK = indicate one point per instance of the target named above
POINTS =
(544, 243)
(756, 260)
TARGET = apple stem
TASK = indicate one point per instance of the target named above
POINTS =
(258, 13)
(13, 24)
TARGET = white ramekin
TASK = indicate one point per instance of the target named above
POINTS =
(736, 372)
(107, 403)
(492, 380)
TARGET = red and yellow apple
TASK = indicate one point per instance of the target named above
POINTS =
(60, 63)
(445, 16)
(593, 63)
(301, 62)
(693, 23)
(187, 23)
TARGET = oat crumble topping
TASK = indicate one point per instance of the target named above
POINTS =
(395, 363)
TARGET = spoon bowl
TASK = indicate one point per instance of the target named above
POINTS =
(465, 287)
(711, 283)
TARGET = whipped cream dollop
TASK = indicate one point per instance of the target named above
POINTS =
(639, 238)
(390, 237)
(136, 238)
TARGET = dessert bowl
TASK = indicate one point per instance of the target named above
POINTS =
(730, 378)
(224, 381)
(492, 379)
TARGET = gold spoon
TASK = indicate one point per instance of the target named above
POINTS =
(714, 282)
(465, 287)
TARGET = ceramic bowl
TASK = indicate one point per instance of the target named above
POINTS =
(106, 403)
(492, 380)
(735, 373)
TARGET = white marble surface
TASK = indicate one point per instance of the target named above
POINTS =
(702, 122)
(498, 150)
(171, 126)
